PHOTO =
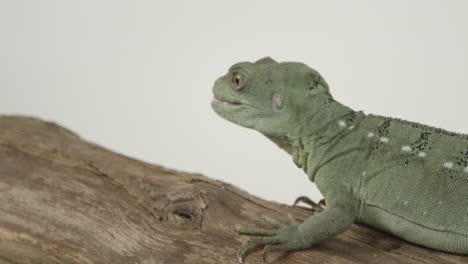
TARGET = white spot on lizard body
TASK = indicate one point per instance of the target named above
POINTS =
(448, 164)
(364, 173)
(405, 203)
(351, 127)
(466, 169)
(342, 123)
(406, 148)
(422, 154)
(370, 135)
(384, 139)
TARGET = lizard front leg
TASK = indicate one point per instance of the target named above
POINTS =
(328, 223)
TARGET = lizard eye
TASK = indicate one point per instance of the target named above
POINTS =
(238, 80)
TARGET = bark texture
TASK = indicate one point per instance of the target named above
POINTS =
(65, 200)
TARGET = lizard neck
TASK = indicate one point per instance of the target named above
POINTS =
(316, 127)
(294, 146)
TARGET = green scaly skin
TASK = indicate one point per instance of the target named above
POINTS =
(405, 178)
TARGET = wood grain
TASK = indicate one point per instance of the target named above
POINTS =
(65, 200)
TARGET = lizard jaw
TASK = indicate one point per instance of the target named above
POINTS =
(217, 100)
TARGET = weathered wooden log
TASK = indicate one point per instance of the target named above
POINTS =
(65, 200)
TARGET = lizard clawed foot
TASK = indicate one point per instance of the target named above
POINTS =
(283, 238)
(315, 207)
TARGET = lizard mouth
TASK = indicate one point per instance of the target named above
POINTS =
(217, 100)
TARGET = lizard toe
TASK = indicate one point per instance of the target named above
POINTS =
(256, 231)
(253, 242)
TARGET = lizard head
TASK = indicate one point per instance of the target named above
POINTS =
(266, 95)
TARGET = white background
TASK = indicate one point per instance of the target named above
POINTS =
(136, 76)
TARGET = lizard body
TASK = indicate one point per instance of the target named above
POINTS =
(402, 177)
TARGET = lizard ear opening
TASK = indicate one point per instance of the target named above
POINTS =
(277, 102)
(265, 60)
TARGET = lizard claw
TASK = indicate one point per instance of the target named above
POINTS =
(239, 257)
(283, 238)
(320, 206)
(266, 251)
(305, 200)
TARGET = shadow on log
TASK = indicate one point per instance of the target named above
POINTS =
(65, 200)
